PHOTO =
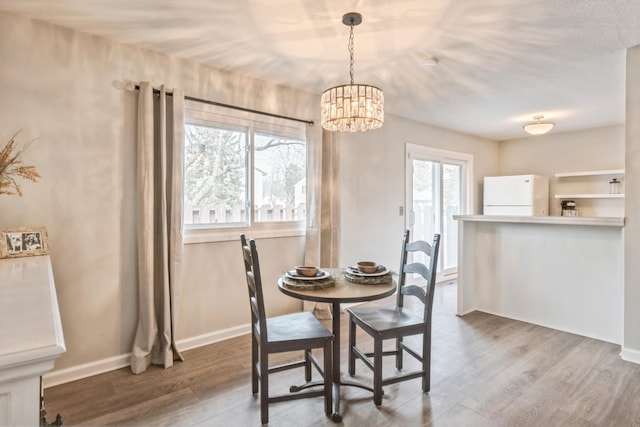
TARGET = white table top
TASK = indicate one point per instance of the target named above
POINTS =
(30, 326)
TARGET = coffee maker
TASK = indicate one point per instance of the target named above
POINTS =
(569, 208)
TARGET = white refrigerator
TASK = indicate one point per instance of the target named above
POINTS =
(521, 195)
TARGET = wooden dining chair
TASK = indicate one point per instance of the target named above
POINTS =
(291, 332)
(397, 322)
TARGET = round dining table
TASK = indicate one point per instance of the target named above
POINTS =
(343, 292)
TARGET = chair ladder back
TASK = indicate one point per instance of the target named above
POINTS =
(420, 245)
(415, 290)
(253, 297)
(427, 272)
(401, 272)
(248, 265)
(254, 286)
(431, 286)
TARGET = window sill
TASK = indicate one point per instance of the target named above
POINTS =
(208, 235)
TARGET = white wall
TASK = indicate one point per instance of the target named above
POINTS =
(614, 147)
(372, 184)
(631, 340)
(592, 149)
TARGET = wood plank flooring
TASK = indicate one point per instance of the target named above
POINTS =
(486, 371)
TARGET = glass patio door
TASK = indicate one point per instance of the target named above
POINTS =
(437, 190)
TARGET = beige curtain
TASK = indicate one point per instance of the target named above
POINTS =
(323, 228)
(159, 225)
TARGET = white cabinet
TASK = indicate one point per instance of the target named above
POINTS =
(30, 336)
(590, 189)
(564, 273)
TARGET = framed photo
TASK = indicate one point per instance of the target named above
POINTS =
(23, 241)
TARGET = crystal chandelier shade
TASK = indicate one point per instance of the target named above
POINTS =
(352, 108)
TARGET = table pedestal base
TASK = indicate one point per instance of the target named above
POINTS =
(343, 292)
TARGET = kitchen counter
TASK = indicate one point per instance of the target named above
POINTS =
(565, 273)
(557, 220)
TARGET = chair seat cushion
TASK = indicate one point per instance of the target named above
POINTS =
(387, 318)
(296, 326)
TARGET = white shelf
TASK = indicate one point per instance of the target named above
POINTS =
(590, 173)
(590, 196)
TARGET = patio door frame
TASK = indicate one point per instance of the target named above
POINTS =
(465, 161)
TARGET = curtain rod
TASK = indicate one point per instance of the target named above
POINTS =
(235, 107)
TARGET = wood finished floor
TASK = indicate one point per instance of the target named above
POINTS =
(486, 371)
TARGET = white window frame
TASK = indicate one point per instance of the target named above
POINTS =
(464, 160)
(211, 115)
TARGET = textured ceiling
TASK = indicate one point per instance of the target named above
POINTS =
(501, 61)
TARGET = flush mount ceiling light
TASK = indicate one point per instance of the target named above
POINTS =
(538, 128)
(429, 61)
(352, 107)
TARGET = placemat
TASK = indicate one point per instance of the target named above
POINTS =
(367, 280)
(308, 285)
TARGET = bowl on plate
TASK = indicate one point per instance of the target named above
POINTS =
(367, 267)
(306, 270)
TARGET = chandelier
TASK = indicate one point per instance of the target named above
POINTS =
(352, 107)
(538, 128)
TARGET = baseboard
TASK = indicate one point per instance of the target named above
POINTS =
(630, 355)
(213, 337)
(552, 326)
(74, 373)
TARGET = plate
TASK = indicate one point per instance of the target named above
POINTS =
(319, 275)
(382, 270)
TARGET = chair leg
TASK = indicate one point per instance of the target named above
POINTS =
(254, 364)
(426, 361)
(352, 344)
(307, 365)
(399, 354)
(264, 386)
(328, 380)
(377, 371)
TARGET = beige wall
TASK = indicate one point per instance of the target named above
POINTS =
(372, 184)
(58, 85)
(613, 147)
(592, 149)
(631, 340)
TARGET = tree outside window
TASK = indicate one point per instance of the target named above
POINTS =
(221, 185)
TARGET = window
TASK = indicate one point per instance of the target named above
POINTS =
(242, 171)
(279, 173)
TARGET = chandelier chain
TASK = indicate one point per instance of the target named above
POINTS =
(351, 52)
